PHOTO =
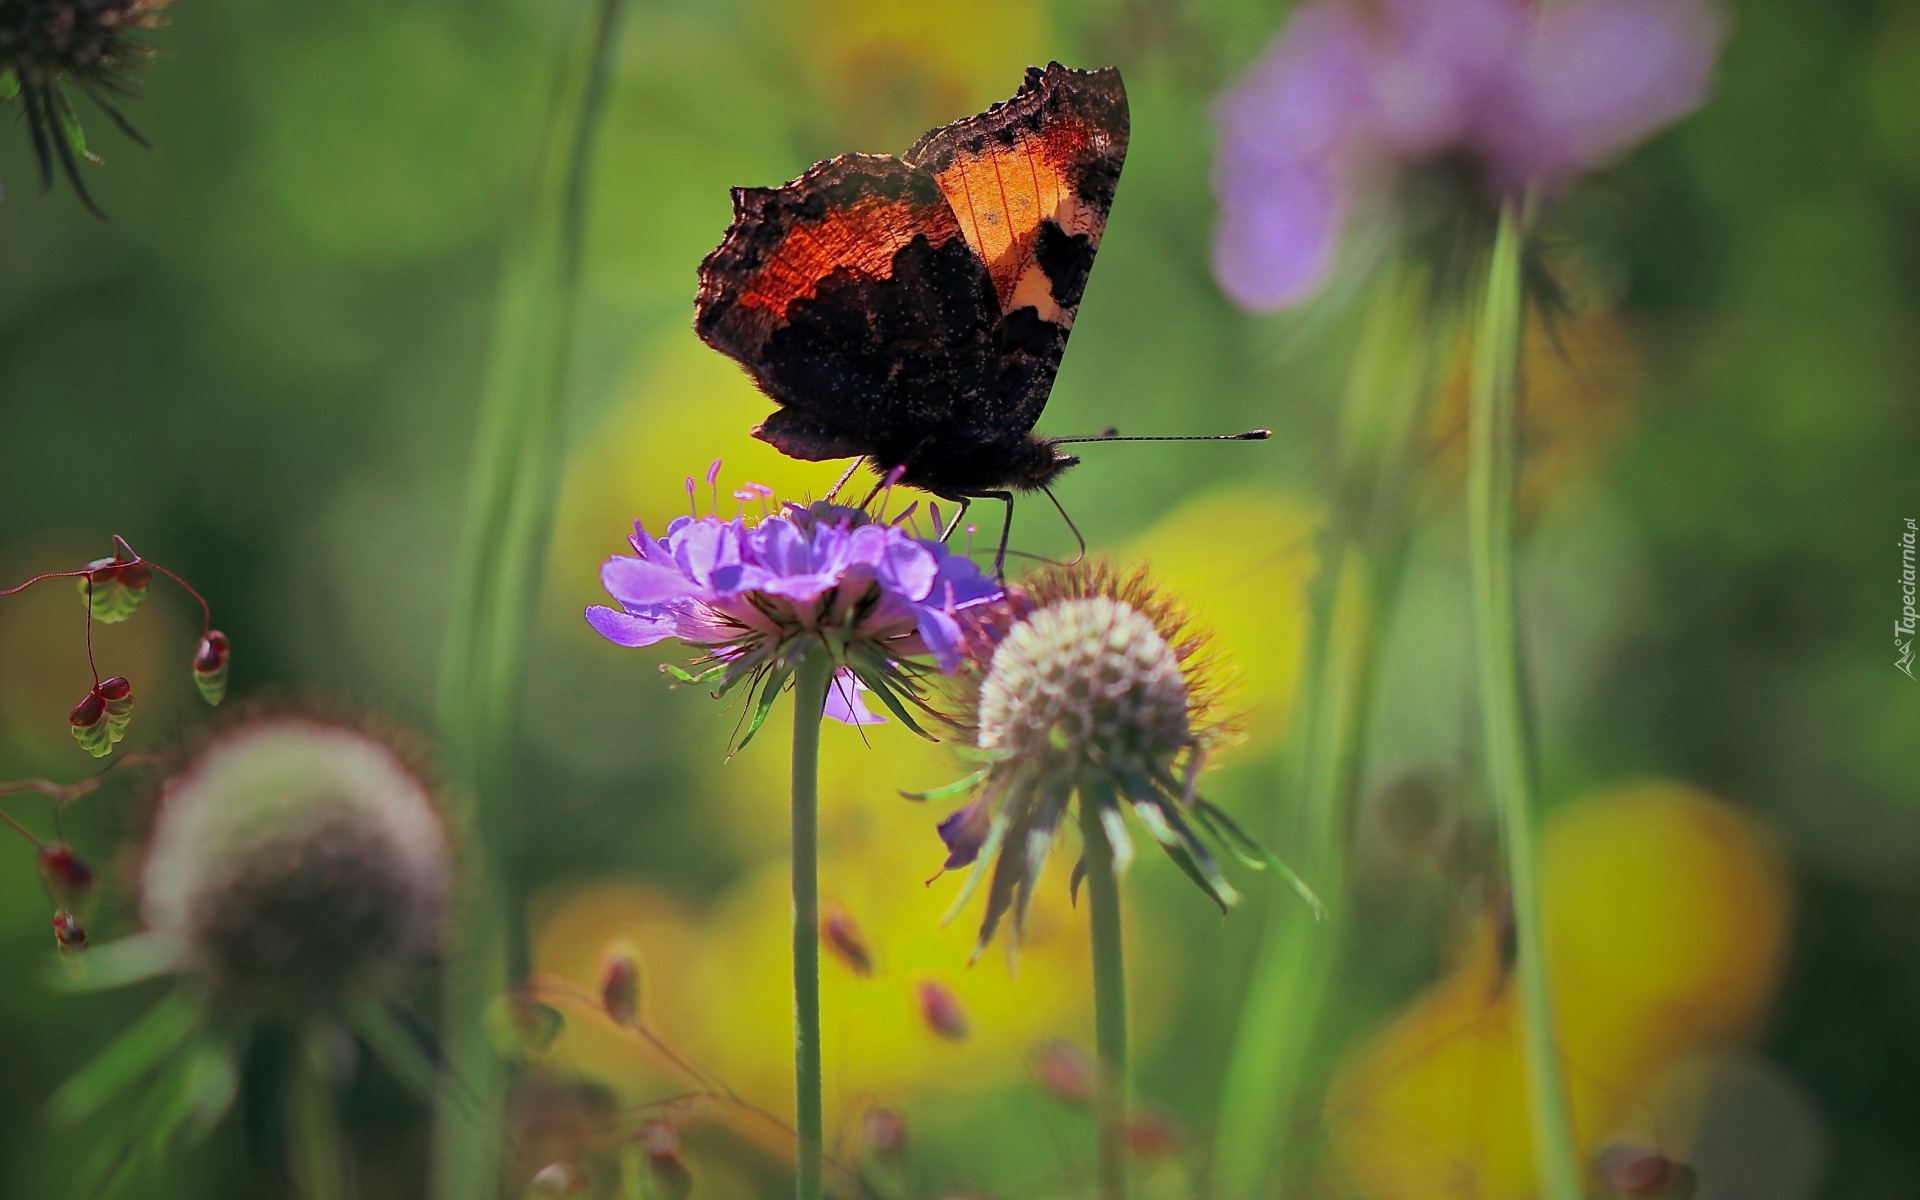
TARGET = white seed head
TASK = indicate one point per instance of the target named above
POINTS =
(298, 864)
(1083, 681)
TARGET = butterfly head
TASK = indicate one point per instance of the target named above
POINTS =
(1038, 464)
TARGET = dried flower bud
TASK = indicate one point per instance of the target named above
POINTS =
(301, 865)
(667, 1178)
(210, 666)
(69, 932)
(883, 1134)
(620, 989)
(68, 879)
(557, 1181)
(842, 935)
(114, 588)
(99, 721)
(1065, 1070)
(941, 1010)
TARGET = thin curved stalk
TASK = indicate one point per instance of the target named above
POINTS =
(510, 502)
(1492, 475)
(1109, 995)
(809, 698)
(1384, 421)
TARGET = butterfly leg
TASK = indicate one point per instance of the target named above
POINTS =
(1006, 530)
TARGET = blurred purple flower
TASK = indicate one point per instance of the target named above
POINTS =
(1345, 98)
(758, 597)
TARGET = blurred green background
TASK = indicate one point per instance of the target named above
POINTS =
(263, 372)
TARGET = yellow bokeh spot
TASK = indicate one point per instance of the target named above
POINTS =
(686, 407)
(1241, 559)
(1666, 921)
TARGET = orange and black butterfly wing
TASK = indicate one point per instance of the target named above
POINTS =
(853, 299)
(1031, 182)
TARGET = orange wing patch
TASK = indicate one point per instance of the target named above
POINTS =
(851, 213)
(1051, 153)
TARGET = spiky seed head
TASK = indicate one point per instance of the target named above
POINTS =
(43, 39)
(299, 864)
(1085, 681)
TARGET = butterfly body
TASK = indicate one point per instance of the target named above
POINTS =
(914, 310)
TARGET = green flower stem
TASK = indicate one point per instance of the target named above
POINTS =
(316, 1149)
(1492, 471)
(1109, 994)
(511, 493)
(809, 698)
(1384, 423)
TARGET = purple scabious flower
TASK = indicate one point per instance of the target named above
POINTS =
(1349, 102)
(757, 597)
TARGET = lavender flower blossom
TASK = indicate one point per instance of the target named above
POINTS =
(1347, 101)
(757, 597)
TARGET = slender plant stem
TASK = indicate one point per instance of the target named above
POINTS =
(1492, 472)
(1109, 994)
(510, 501)
(809, 697)
(1383, 425)
(316, 1149)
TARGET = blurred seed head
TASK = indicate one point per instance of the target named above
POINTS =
(300, 864)
(44, 39)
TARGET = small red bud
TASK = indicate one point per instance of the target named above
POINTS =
(210, 661)
(667, 1177)
(1064, 1070)
(88, 711)
(133, 575)
(1636, 1169)
(620, 989)
(883, 1131)
(68, 931)
(557, 1181)
(68, 880)
(941, 1010)
(1152, 1135)
(100, 720)
(842, 935)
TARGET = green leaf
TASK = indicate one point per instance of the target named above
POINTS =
(979, 753)
(685, 676)
(1247, 849)
(398, 1051)
(1184, 860)
(769, 692)
(117, 963)
(126, 1060)
(952, 789)
(9, 85)
(70, 125)
(879, 687)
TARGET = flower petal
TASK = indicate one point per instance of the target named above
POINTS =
(637, 583)
(845, 702)
(626, 629)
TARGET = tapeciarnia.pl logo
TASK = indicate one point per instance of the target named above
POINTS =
(1903, 628)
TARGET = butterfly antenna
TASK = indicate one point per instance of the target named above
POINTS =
(1251, 435)
(1079, 555)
